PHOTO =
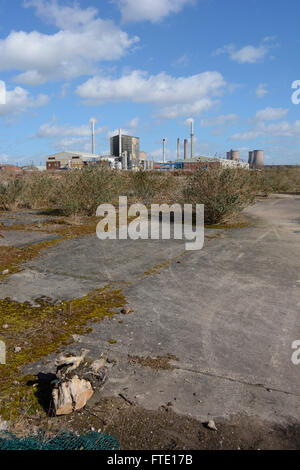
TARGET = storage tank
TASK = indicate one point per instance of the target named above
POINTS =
(258, 160)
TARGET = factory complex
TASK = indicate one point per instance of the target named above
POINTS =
(125, 154)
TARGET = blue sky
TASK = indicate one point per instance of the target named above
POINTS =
(149, 66)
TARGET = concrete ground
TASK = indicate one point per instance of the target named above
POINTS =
(227, 314)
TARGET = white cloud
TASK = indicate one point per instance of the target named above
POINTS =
(261, 90)
(280, 129)
(223, 120)
(67, 137)
(263, 128)
(133, 123)
(20, 100)
(270, 114)
(182, 61)
(152, 10)
(248, 54)
(83, 40)
(176, 96)
(53, 130)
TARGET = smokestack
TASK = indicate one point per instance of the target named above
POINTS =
(178, 149)
(186, 149)
(120, 142)
(164, 155)
(192, 139)
(93, 121)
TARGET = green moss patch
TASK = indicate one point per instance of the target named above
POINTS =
(39, 331)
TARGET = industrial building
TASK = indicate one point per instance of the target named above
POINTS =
(199, 162)
(69, 160)
(127, 148)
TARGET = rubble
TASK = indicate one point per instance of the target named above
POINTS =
(76, 380)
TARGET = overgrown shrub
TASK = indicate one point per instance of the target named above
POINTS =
(149, 186)
(80, 192)
(11, 193)
(224, 192)
(283, 179)
(39, 191)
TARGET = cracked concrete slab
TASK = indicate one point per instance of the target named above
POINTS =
(73, 268)
(22, 238)
(229, 313)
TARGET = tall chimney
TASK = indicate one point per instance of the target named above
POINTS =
(192, 139)
(164, 153)
(178, 149)
(186, 149)
(93, 120)
(120, 142)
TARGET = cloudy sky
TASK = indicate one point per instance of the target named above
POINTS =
(149, 66)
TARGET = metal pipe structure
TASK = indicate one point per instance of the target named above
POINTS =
(164, 153)
(186, 149)
(178, 149)
(93, 120)
(192, 139)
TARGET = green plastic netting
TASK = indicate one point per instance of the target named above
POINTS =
(62, 441)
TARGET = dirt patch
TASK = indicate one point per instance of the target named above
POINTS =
(156, 363)
(140, 429)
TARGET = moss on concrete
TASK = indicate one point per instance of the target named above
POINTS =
(39, 331)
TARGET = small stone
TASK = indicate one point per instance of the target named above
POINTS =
(126, 310)
(211, 425)
(98, 364)
(5, 326)
(17, 349)
(6, 271)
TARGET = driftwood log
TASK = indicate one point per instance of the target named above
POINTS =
(77, 378)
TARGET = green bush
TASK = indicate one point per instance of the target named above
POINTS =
(224, 192)
(11, 193)
(79, 192)
(149, 186)
(283, 179)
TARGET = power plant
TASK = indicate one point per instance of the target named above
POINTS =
(125, 154)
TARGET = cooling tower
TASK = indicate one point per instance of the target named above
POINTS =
(186, 149)
(251, 158)
(258, 161)
(235, 155)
